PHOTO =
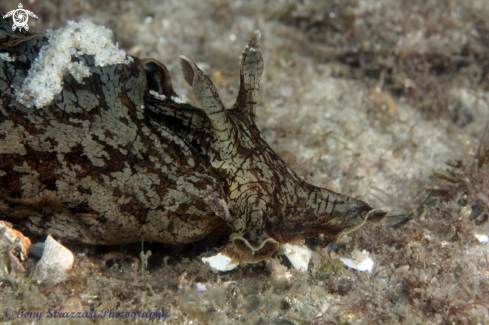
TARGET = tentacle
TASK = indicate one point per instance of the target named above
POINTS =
(251, 70)
(206, 94)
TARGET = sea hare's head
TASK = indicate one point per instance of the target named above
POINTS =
(322, 212)
(269, 204)
(325, 212)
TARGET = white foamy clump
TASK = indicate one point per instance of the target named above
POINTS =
(44, 80)
(78, 70)
(157, 95)
(180, 100)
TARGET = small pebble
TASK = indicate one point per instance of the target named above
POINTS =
(37, 250)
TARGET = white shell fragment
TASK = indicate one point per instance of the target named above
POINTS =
(359, 261)
(298, 255)
(220, 262)
(56, 261)
(482, 238)
(200, 287)
(11, 235)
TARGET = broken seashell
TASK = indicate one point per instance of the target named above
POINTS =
(17, 265)
(220, 262)
(55, 263)
(298, 255)
(359, 261)
(481, 238)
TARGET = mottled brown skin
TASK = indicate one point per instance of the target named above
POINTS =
(108, 163)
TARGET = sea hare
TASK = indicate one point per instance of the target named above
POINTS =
(115, 158)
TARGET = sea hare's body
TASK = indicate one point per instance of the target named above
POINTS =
(108, 162)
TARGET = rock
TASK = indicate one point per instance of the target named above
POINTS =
(9, 236)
